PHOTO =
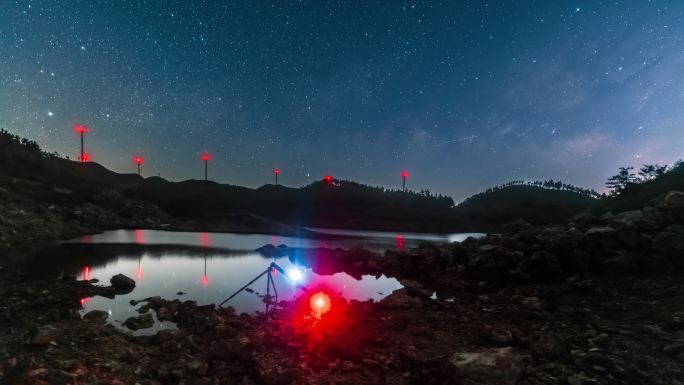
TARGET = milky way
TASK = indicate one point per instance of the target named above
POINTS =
(464, 95)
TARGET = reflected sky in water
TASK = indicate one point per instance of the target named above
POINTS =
(330, 238)
(209, 267)
(213, 278)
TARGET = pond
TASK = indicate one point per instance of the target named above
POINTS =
(209, 267)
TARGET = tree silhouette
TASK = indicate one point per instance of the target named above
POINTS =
(652, 171)
(622, 181)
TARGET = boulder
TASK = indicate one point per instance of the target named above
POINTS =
(673, 200)
(122, 284)
(549, 346)
(400, 299)
(515, 226)
(96, 315)
(670, 239)
(532, 303)
(415, 289)
(143, 321)
(601, 231)
(490, 366)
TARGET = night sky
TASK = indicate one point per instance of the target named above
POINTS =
(464, 95)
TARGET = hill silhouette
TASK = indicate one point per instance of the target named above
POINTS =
(531, 203)
(195, 204)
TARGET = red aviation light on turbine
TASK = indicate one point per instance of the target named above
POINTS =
(85, 157)
(139, 160)
(206, 157)
(328, 179)
(405, 174)
(81, 129)
(276, 171)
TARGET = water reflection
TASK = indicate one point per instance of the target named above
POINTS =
(86, 273)
(205, 277)
(139, 272)
(330, 238)
(208, 267)
(400, 242)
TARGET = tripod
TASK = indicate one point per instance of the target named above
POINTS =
(268, 299)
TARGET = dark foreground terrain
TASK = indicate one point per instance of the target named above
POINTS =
(599, 300)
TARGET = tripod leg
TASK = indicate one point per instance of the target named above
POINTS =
(244, 287)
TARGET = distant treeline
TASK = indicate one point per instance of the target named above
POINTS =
(546, 184)
(11, 139)
(625, 180)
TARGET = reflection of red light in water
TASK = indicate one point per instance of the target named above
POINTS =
(139, 272)
(400, 242)
(205, 281)
(205, 239)
(84, 301)
(320, 303)
(139, 236)
(86, 273)
(86, 239)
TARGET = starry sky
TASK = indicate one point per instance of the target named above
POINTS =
(463, 94)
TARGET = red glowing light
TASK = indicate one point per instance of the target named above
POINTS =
(405, 174)
(400, 242)
(320, 303)
(206, 157)
(328, 179)
(205, 281)
(86, 273)
(139, 236)
(85, 301)
(276, 171)
(80, 129)
(205, 239)
(139, 273)
(85, 157)
(139, 160)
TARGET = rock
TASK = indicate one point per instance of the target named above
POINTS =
(399, 299)
(415, 289)
(143, 321)
(501, 337)
(673, 200)
(603, 236)
(601, 230)
(532, 303)
(122, 284)
(549, 346)
(491, 366)
(629, 236)
(515, 226)
(96, 315)
(674, 348)
(44, 336)
(670, 239)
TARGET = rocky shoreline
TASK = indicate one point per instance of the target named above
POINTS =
(596, 301)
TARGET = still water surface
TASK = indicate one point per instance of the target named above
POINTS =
(209, 267)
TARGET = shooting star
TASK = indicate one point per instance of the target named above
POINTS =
(471, 137)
